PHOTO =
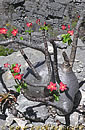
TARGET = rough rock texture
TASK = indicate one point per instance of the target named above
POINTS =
(54, 12)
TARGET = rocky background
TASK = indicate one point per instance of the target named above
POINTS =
(56, 13)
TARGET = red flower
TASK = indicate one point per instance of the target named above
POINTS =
(19, 76)
(63, 27)
(38, 21)
(6, 65)
(71, 32)
(14, 32)
(68, 26)
(62, 86)
(3, 30)
(52, 86)
(16, 68)
(78, 16)
(29, 24)
(44, 23)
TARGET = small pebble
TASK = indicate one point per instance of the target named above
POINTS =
(81, 66)
(78, 70)
(76, 60)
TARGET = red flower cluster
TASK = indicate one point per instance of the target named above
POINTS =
(64, 27)
(14, 32)
(52, 86)
(16, 72)
(63, 87)
(29, 24)
(71, 32)
(3, 30)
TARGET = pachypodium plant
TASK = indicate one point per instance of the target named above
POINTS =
(16, 73)
(54, 89)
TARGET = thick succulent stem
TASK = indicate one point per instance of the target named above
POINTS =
(25, 43)
(47, 55)
(66, 59)
(47, 100)
(75, 39)
(1, 79)
(37, 99)
(30, 64)
(55, 63)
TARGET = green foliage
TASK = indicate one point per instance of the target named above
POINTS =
(9, 32)
(13, 65)
(66, 38)
(56, 97)
(19, 86)
(29, 31)
(21, 38)
(5, 51)
(24, 85)
(18, 89)
(10, 29)
(44, 28)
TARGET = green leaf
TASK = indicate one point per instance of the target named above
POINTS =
(56, 97)
(25, 85)
(26, 30)
(13, 65)
(69, 42)
(66, 38)
(46, 28)
(50, 91)
(10, 51)
(12, 70)
(21, 38)
(7, 49)
(18, 89)
(29, 31)
(41, 28)
(62, 35)
(9, 32)
(15, 73)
